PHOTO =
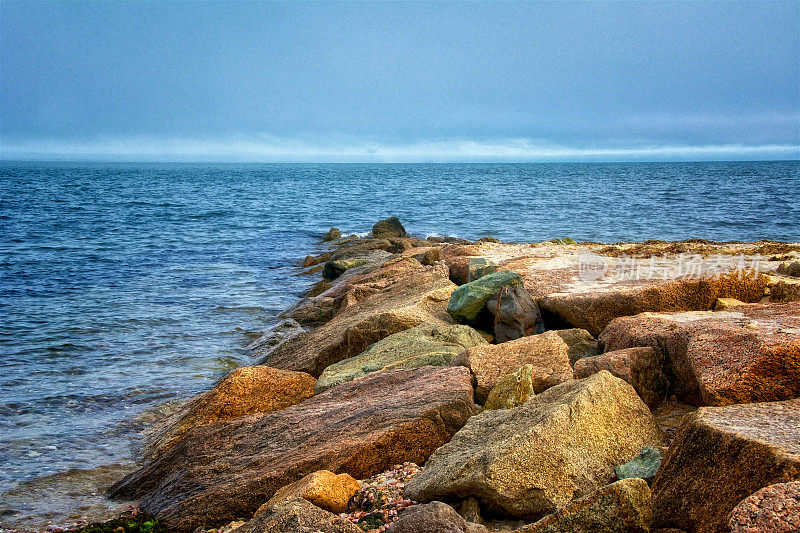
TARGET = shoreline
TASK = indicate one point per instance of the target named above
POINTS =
(380, 287)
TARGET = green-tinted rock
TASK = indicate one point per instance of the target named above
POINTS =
(563, 240)
(581, 343)
(644, 466)
(426, 344)
(333, 235)
(468, 300)
(334, 269)
(477, 267)
(513, 390)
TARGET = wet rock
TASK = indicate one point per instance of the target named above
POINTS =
(225, 470)
(333, 235)
(790, 269)
(581, 343)
(546, 353)
(434, 517)
(722, 455)
(411, 300)
(622, 507)
(423, 345)
(749, 354)
(389, 227)
(641, 367)
(469, 300)
(246, 390)
(773, 509)
(274, 335)
(515, 314)
(323, 488)
(643, 466)
(312, 260)
(297, 516)
(512, 390)
(537, 458)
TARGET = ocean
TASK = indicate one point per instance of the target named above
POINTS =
(125, 286)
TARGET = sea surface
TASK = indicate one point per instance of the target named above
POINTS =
(127, 286)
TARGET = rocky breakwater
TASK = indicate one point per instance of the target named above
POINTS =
(444, 385)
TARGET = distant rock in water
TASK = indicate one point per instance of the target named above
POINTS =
(390, 227)
(332, 235)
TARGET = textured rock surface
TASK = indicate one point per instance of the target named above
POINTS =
(641, 367)
(515, 314)
(296, 516)
(323, 488)
(389, 227)
(547, 353)
(581, 343)
(434, 517)
(410, 301)
(469, 300)
(643, 466)
(512, 390)
(479, 267)
(226, 470)
(333, 235)
(426, 344)
(720, 456)
(246, 390)
(749, 354)
(622, 507)
(773, 509)
(537, 458)
(790, 268)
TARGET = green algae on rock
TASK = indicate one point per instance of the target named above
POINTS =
(467, 301)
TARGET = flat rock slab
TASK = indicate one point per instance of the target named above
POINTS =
(722, 455)
(773, 509)
(537, 458)
(750, 354)
(226, 470)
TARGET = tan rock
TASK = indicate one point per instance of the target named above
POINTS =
(723, 304)
(323, 488)
(641, 367)
(722, 455)
(547, 354)
(512, 390)
(297, 515)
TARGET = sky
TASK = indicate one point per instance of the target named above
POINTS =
(391, 81)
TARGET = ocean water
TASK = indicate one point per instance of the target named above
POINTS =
(125, 286)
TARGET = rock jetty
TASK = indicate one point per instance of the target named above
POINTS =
(442, 385)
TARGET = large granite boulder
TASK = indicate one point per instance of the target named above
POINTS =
(225, 470)
(537, 458)
(722, 455)
(246, 390)
(323, 488)
(469, 300)
(428, 344)
(491, 362)
(296, 515)
(389, 227)
(416, 298)
(622, 507)
(750, 354)
(434, 517)
(581, 343)
(515, 314)
(773, 509)
(641, 367)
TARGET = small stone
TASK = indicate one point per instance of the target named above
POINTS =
(643, 466)
(323, 488)
(430, 257)
(335, 268)
(723, 304)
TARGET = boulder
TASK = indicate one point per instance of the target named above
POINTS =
(515, 314)
(477, 267)
(428, 344)
(513, 389)
(246, 390)
(790, 268)
(430, 257)
(592, 310)
(297, 516)
(537, 458)
(434, 517)
(783, 291)
(722, 455)
(581, 343)
(227, 469)
(412, 300)
(622, 507)
(323, 488)
(389, 227)
(546, 352)
(468, 300)
(723, 304)
(335, 268)
(367, 249)
(749, 354)
(641, 367)
(773, 509)
(333, 235)
(643, 466)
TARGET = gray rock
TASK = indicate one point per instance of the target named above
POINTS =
(515, 314)
(643, 466)
(434, 517)
(581, 343)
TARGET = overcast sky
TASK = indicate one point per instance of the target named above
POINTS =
(373, 81)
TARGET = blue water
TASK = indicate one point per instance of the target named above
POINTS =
(123, 286)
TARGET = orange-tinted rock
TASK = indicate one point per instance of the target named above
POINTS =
(323, 488)
(773, 509)
(247, 390)
(547, 353)
(722, 455)
(641, 367)
(749, 354)
(225, 470)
